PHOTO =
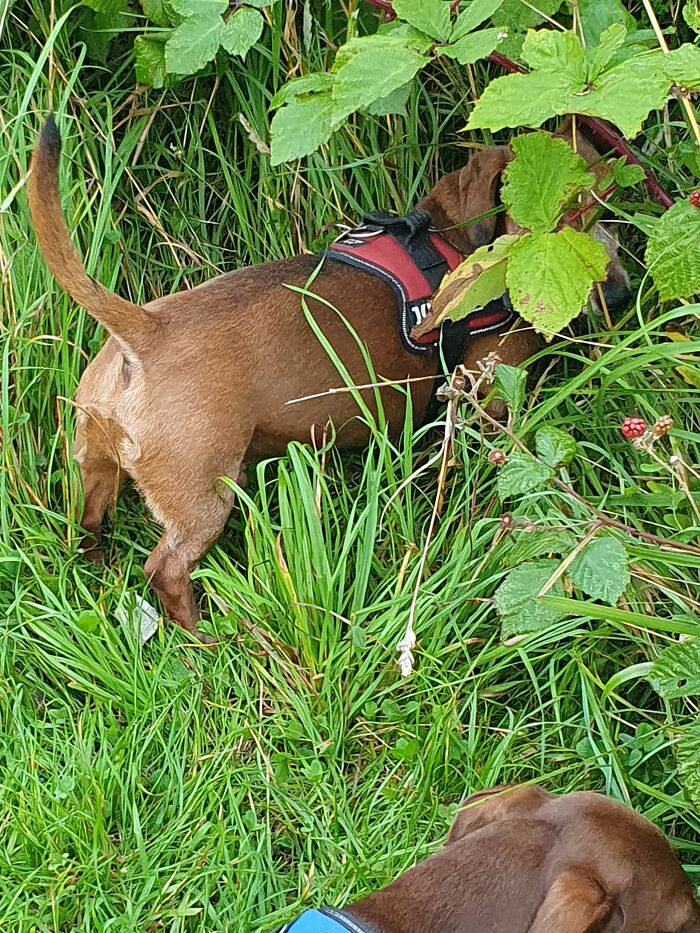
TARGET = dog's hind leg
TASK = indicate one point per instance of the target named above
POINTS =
(101, 477)
(193, 519)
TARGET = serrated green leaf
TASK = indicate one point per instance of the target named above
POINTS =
(429, 16)
(200, 8)
(149, 58)
(537, 542)
(682, 66)
(599, 56)
(673, 252)
(552, 51)
(688, 756)
(522, 100)
(300, 87)
(626, 94)
(544, 177)
(627, 174)
(472, 47)
(516, 599)
(520, 474)
(300, 127)
(600, 570)
(519, 16)
(392, 103)
(475, 282)
(554, 446)
(364, 76)
(510, 386)
(476, 13)
(550, 276)
(156, 12)
(676, 672)
(598, 15)
(193, 44)
(242, 31)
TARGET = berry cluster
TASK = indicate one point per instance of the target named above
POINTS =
(633, 428)
(695, 198)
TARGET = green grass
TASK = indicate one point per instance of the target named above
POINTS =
(169, 788)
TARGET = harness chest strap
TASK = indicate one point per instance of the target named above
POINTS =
(325, 920)
(411, 257)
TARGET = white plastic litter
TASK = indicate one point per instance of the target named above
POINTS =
(135, 609)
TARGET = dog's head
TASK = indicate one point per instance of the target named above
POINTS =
(473, 193)
(608, 871)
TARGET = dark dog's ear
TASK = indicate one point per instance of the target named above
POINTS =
(478, 191)
(496, 803)
(577, 903)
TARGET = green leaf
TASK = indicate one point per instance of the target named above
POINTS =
(538, 541)
(555, 447)
(627, 174)
(429, 16)
(193, 44)
(364, 76)
(260, 4)
(688, 755)
(475, 282)
(550, 276)
(599, 56)
(520, 474)
(553, 51)
(682, 66)
(242, 31)
(522, 100)
(476, 13)
(472, 47)
(600, 570)
(156, 12)
(516, 599)
(598, 15)
(676, 672)
(107, 7)
(88, 621)
(519, 16)
(98, 31)
(510, 386)
(691, 14)
(673, 252)
(200, 8)
(544, 177)
(395, 102)
(150, 62)
(300, 87)
(627, 93)
(300, 127)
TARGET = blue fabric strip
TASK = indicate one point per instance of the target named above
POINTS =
(323, 921)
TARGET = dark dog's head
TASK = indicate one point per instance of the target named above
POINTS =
(473, 192)
(608, 870)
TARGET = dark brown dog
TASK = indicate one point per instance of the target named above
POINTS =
(522, 860)
(190, 386)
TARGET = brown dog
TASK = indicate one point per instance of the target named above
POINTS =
(522, 860)
(189, 387)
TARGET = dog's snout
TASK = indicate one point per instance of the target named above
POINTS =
(617, 294)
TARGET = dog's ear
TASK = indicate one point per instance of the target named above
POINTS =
(496, 803)
(577, 903)
(478, 191)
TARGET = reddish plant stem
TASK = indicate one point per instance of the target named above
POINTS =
(385, 6)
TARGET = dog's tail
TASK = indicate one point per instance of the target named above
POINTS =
(133, 326)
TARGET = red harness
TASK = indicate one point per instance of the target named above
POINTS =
(411, 257)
